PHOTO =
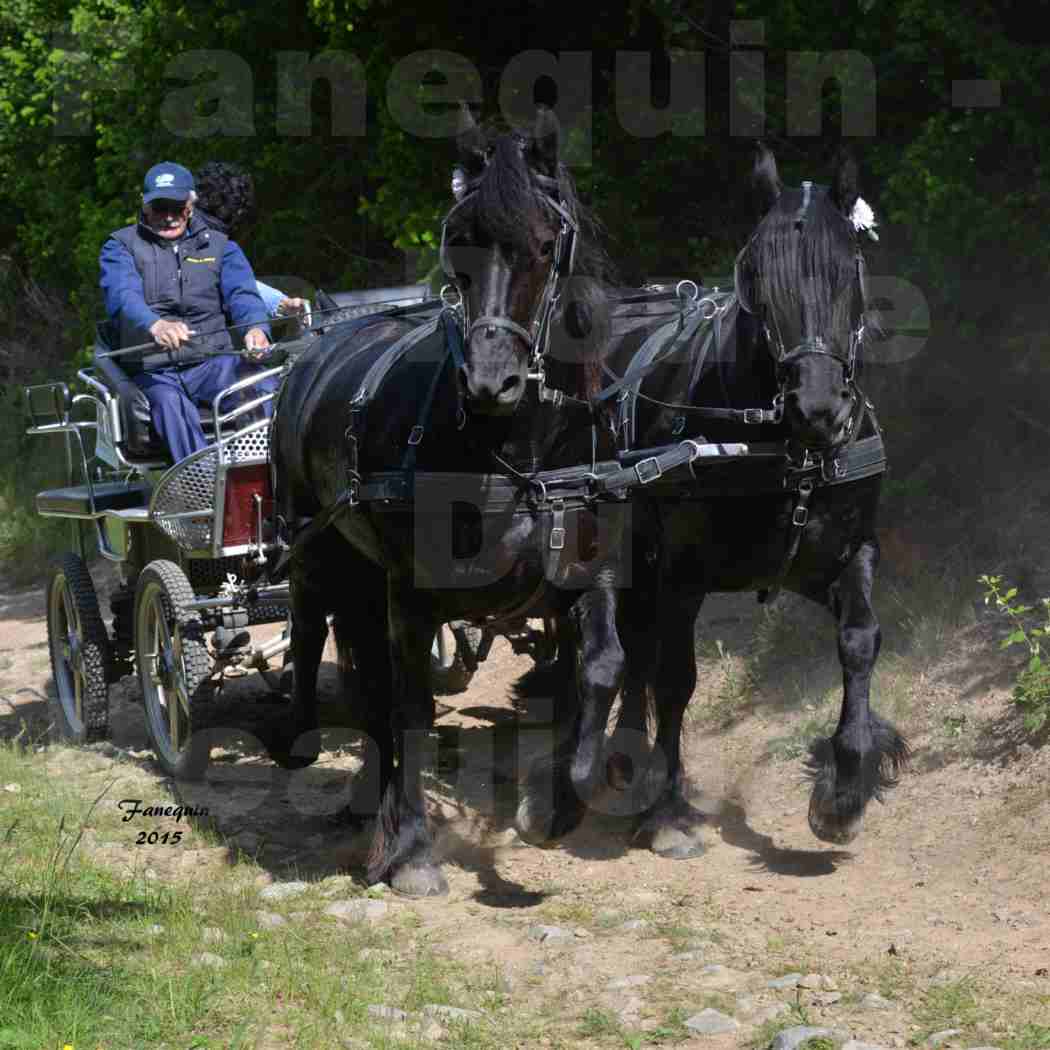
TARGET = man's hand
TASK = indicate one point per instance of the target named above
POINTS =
(256, 345)
(170, 333)
(288, 306)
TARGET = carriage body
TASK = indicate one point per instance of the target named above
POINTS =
(188, 540)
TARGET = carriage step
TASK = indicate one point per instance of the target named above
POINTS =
(75, 502)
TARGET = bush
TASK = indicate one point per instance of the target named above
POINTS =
(1032, 688)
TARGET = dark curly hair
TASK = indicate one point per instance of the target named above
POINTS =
(227, 193)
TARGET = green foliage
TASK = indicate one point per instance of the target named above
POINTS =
(598, 1022)
(1032, 689)
(93, 91)
(955, 1004)
(1030, 1037)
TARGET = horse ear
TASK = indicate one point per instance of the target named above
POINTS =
(844, 190)
(542, 149)
(471, 143)
(765, 177)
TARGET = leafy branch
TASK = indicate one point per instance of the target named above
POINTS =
(1032, 688)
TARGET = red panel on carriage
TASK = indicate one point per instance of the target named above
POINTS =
(239, 514)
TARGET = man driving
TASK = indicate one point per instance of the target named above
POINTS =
(172, 280)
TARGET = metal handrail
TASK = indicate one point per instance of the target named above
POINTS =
(217, 416)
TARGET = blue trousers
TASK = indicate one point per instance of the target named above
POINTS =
(174, 395)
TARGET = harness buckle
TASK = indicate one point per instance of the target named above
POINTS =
(416, 435)
(754, 415)
(557, 541)
(650, 473)
(354, 490)
(837, 469)
(800, 517)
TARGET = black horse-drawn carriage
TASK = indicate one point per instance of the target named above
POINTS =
(544, 402)
(188, 540)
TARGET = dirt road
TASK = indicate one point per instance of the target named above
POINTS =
(939, 910)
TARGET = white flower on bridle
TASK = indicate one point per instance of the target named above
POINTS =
(863, 218)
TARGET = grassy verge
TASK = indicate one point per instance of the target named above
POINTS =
(27, 465)
(39, 343)
(89, 958)
(789, 668)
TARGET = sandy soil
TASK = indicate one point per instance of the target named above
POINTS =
(947, 880)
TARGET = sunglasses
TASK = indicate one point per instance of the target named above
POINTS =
(162, 207)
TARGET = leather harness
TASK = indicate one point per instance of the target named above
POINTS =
(553, 493)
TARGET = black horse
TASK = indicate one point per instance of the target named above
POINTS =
(774, 365)
(405, 457)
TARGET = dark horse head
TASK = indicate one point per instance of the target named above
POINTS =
(508, 244)
(801, 274)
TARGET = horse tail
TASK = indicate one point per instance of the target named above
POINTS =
(344, 653)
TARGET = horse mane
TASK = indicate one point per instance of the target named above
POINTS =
(506, 205)
(816, 267)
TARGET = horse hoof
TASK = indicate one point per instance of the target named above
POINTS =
(419, 880)
(543, 826)
(674, 844)
(304, 752)
(829, 826)
(535, 827)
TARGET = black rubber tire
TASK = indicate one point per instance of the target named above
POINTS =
(163, 586)
(456, 675)
(80, 652)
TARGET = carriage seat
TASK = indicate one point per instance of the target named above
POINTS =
(141, 443)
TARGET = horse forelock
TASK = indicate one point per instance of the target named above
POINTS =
(507, 205)
(814, 264)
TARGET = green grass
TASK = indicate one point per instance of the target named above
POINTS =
(80, 966)
(1030, 1037)
(955, 1004)
(597, 1022)
(28, 465)
(765, 1033)
(795, 744)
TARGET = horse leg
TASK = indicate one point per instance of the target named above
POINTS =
(402, 846)
(671, 824)
(364, 664)
(554, 801)
(641, 650)
(296, 742)
(866, 753)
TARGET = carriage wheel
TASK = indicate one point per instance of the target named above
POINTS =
(173, 664)
(79, 647)
(454, 658)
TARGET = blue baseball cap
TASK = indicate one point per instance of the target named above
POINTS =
(167, 181)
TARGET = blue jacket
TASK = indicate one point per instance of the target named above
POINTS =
(202, 279)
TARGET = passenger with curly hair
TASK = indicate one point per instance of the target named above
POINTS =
(226, 202)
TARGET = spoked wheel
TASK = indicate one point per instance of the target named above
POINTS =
(173, 664)
(79, 647)
(454, 657)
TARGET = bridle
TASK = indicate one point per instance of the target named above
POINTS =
(537, 336)
(810, 343)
